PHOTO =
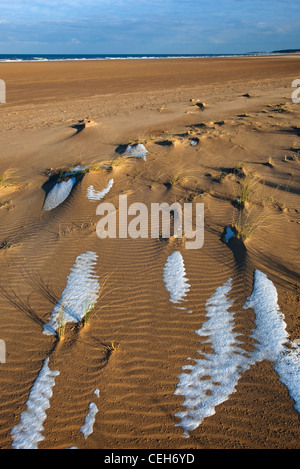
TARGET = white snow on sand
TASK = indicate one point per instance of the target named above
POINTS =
(273, 342)
(174, 277)
(270, 327)
(28, 433)
(288, 368)
(58, 194)
(80, 294)
(88, 427)
(98, 195)
(137, 151)
(212, 379)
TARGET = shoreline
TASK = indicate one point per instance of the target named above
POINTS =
(141, 58)
(36, 58)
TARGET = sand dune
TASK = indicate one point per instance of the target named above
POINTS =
(131, 368)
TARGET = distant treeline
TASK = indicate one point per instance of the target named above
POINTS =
(285, 51)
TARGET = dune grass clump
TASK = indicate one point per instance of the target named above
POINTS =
(6, 244)
(5, 203)
(113, 347)
(245, 192)
(140, 140)
(243, 227)
(5, 178)
(281, 108)
(88, 311)
(246, 187)
(90, 306)
(93, 168)
(177, 176)
(116, 162)
(61, 323)
(246, 222)
(110, 349)
(251, 213)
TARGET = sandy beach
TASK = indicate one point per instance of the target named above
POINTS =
(154, 373)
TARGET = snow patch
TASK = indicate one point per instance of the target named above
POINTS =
(273, 342)
(212, 379)
(58, 194)
(137, 151)
(87, 428)
(270, 330)
(174, 277)
(28, 433)
(79, 296)
(288, 368)
(98, 195)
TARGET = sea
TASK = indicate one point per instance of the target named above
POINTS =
(73, 57)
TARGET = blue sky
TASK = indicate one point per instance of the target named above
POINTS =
(144, 26)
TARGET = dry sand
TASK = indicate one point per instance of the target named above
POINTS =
(250, 123)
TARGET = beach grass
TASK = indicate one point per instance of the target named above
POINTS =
(247, 222)
(5, 178)
(61, 323)
(179, 175)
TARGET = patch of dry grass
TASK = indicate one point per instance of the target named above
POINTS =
(5, 178)
(247, 221)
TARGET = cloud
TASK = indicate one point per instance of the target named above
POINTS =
(144, 26)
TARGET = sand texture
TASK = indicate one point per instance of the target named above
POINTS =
(128, 344)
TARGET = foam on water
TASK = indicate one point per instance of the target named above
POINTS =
(98, 195)
(137, 151)
(28, 433)
(59, 194)
(79, 296)
(174, 277)
(87, 428)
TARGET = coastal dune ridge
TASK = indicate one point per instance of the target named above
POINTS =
(152, 345)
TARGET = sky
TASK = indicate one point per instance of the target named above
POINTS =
(148, 26)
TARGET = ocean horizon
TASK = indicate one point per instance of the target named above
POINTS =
(76, 57)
